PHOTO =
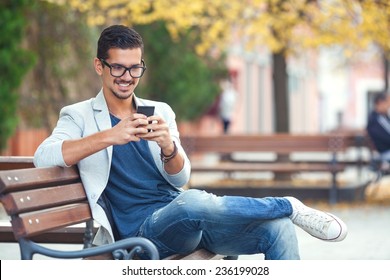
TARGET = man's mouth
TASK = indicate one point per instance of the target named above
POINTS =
(124, 83)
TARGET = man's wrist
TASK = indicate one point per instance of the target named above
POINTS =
(167, 157)
(167, 150)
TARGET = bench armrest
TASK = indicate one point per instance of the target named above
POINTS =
(122, 249)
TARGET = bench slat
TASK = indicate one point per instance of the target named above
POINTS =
(14, 180)
(37, 199)
(283, 144)
(280, 167)
(15, 162)
(34, 223)
(68, 235)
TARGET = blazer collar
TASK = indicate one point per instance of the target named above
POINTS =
(100, 109)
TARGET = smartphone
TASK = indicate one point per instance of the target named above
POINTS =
(147, 111)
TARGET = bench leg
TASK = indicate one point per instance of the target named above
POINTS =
(333, 189)
(88, 234)
(26, 251)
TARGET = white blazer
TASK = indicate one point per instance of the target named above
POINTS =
(91, 116)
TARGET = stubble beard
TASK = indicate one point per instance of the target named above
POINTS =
(123, 97)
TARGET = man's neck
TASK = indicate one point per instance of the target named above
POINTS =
(122, 108)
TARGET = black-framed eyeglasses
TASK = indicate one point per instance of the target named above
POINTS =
(117, 70)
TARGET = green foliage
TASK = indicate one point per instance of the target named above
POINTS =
(64, 73)
(176, 75)
(14, 62)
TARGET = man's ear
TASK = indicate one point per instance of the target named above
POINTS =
(98, 66)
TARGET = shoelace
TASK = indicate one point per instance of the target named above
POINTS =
(313, 221)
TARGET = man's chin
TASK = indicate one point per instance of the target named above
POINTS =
(122, 95)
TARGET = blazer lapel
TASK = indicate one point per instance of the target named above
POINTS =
(102, 117)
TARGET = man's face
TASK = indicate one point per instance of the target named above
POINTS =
(383, 106)
(121, 87)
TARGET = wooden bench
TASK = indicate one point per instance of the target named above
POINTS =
(40, 201)
(69, 235)
(282, 145)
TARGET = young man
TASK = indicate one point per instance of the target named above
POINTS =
(133, 168)
(378, 125)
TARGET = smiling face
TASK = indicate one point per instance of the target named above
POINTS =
(119, 87)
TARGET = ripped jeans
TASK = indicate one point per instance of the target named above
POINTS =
(226, 225)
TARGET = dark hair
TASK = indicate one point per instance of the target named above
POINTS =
(118, 36)
(379, 97)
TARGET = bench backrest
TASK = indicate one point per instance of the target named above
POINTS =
(278, 143)
(43, 199)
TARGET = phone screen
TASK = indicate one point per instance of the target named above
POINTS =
(146, 110)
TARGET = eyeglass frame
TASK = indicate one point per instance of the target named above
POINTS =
(126, 68)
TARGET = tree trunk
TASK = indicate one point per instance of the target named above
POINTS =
(281, 108)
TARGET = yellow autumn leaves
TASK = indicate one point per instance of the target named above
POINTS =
(281, 25)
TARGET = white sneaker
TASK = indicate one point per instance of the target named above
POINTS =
(324, 226)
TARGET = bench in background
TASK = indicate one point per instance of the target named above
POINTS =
(284, 146)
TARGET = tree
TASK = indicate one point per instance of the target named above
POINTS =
(188, 82)
(15, 61)
(46, 46)
(284, 26)
(64, 47)
(375, 24)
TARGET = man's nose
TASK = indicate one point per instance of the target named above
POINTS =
(126, 75)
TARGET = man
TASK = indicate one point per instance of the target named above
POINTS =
(133, 168)
(226, 104)
(378, 125)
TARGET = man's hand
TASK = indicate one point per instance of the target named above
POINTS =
(157, 130)
(124, 132)
(129, 129)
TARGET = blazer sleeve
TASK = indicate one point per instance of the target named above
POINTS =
(49, 152)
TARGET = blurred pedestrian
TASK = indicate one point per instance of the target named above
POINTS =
(227, 104)
(378, 125)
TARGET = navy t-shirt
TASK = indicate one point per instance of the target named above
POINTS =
(135, 187)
